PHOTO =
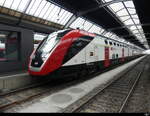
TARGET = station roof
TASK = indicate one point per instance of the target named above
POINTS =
(112, 18)
(117, 16)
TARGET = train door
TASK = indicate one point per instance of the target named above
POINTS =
(96, 53)
(122, 55)
(107, 60)
(90, 54)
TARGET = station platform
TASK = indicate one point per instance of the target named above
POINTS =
(11, 81)
(60, 100)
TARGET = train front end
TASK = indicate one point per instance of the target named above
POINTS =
(42, 60)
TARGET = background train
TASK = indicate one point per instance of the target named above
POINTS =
(78, 52)
(2, 52)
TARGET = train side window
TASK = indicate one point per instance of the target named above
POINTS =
(110, 43)
(106, 42)
(116, 55)
(117, 44)
(114, 44)
(91, 54)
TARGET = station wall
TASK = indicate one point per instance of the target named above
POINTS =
(25, 47)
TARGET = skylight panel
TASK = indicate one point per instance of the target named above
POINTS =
(33, 7)
(87, 25)
(122, 12)
(116, 6)
(131, 11)
(40, 8)
(30, 6)
(133, 27)
(107, 34)
(53, 15)
(135, 31)
(134, 16)
(125, 18)
(77, 23)
(1, 2)
(136, 21)
(126, 12)
(101, 31)
(95, 29)
(108, 0)
(129, 4)
(51, 7)
(15, 4)
(8, 3)
(129, 22)
(62, 20)
(59, 15)
(44, 10)
(23, 4)
(62, 14)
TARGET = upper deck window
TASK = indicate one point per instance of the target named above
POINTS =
(106, 42)
(110, 43)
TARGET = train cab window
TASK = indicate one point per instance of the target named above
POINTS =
(106, 42)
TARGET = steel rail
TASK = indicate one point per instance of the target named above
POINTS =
(131, 91)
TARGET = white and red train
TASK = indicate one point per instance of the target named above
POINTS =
(77, 51)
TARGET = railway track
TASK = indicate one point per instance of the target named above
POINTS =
(111, 98)
(16, 97)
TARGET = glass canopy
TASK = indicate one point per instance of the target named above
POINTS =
(126, 12)
(89, 26)
(39, 8)
(43, 9)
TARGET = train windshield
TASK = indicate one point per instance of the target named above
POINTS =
(50, 41)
